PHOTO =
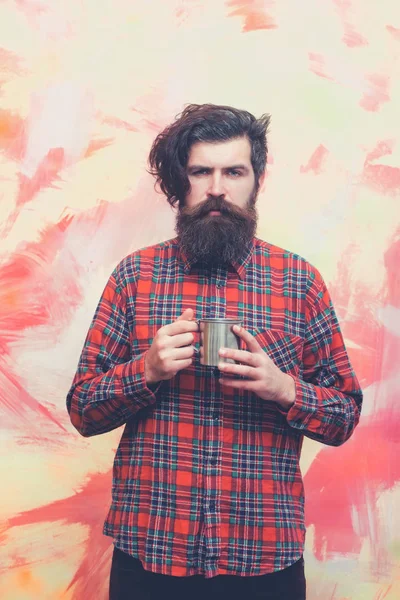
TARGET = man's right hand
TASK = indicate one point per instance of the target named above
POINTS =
(171, 350)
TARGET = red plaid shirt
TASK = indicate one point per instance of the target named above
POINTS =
(206, 479)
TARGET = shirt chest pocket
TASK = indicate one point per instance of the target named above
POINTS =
(285, 349)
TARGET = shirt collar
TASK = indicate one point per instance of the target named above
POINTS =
(239, 266)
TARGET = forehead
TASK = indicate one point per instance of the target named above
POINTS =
(220, 154)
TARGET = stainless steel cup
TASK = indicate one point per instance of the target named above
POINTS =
(216, 334)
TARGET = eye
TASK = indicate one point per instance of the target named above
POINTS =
(200, 172)
(234, 172)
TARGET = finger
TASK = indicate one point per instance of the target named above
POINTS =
(248, 338)
(242, 356)
(243, 370)
(179, 340)
(182, 364)
(182, 353)
(187, 315)
(180, 326)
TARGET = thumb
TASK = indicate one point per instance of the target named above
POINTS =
(187, 315)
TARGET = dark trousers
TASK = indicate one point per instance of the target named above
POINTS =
(129, 581)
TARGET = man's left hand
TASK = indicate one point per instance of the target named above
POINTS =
(263, 377)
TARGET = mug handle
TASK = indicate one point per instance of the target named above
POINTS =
(197, 350)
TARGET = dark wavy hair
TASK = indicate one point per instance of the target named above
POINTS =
(203, 123)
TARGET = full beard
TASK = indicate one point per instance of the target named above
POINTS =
(221, 239)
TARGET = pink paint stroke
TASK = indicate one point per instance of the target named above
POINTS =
(254, 14)
(118, 123)
(382, 178)
(351, 37)
(12, 135)
(29, 299)
(343, 485)
(17, 403)
(10, 64)
(377, 92)
(316, 161)
(87, 507)
(318, 66)
(394, 32)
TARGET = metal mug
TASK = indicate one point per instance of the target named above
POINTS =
(216, 334)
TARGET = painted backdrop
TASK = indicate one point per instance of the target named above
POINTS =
(84, 88)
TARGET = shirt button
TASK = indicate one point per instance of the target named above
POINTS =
(212, 506)
(214, 461)
(219, 285)
(215, 416)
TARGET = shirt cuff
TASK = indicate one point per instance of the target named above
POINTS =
(134, 383)
(305, 405)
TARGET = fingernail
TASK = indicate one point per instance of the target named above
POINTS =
(222, 351)
(236, 328)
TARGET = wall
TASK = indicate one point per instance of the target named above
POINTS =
(84, 88)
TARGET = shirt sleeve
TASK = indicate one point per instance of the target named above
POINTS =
(109, 386)
(328, 395)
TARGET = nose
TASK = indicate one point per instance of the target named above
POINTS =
(216, 187)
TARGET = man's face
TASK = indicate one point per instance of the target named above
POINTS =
(220, 169)
(218, 219)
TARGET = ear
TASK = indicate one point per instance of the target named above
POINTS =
(261, 182)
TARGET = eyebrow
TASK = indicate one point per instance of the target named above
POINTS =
(192, 168)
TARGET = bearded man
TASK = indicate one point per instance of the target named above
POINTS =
(207, 498)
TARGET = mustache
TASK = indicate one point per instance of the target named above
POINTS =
(212, 203)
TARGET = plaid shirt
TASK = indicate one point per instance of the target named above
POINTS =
(206, 479)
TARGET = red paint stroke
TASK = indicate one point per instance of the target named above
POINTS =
(18, 403)
(26, 291)
(383, 593)
(13, 140)
(383, 148)
(392, 265)
(48, 172)
(351, 37)
(26, 298)
(377, 92)
(46, 176)
(318, 66)
(343, 486)
(366, 359)
(96, 145)
(29, 298)
(394, 32)
(382, 178)
(316, 161)
(87, 507)
(12, 135)
(254, 13)
(361, 325)
(27, 295)
(118, 123)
